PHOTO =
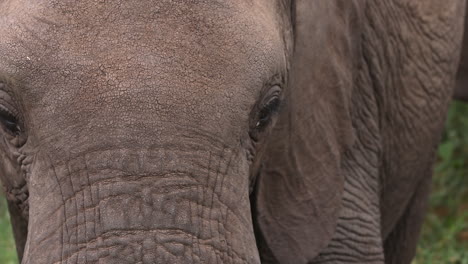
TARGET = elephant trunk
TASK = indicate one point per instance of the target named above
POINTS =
(151, 206)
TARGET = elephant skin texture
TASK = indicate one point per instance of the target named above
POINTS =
(260, 131)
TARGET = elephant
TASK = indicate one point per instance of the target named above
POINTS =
(461, 83)
(207, 131)
(461, 90)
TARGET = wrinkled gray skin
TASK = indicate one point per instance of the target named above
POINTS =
(133, 131)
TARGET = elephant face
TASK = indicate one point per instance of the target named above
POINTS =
(222, 131)
(135, 125)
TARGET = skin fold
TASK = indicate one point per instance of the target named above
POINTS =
(222, 131)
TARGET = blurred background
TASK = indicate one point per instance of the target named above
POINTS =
(444, 237)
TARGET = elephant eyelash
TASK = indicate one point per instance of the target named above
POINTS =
(267, 111)
(9, 121)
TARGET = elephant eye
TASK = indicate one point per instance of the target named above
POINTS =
(267, 111)
(9, 122)
(264, 113)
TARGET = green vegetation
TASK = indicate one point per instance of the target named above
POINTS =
(445, 233)
(7, 245)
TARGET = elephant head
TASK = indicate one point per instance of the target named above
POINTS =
(219, 131)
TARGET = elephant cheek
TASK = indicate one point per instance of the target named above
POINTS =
(136, 207)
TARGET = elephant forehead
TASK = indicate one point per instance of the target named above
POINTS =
(195, 58)
(152, 37)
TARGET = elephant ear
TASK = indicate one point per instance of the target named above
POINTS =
(299, 188)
